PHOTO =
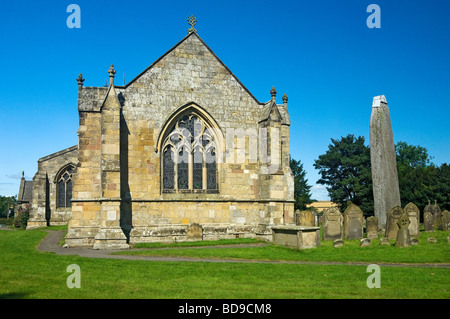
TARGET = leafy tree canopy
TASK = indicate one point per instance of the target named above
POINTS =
(302, 191)
(345, 169)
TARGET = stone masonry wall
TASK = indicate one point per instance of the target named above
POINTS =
(187, 78)
(44, 210)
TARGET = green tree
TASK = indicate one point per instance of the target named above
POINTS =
(5, 203)
(420, 180)
(302, 191)
(412, 156)
(345, 169)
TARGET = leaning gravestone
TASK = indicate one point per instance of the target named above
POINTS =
(445, 220)
(437, 216)
(372, 227)
(332, 224)
(353, 222)
(413, 213)
(428, 221)
(306, 218)
(391, 223)
(403, 238)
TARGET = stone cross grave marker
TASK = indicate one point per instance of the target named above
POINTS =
(353, 222)
(403, 238)
(391, 223)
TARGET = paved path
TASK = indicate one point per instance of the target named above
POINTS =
(50, 244)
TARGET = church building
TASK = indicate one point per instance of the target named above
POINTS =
(182, 152)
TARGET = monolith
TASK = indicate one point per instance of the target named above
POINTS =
(386, 191)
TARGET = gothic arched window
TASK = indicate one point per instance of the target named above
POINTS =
(189, 159)
(64, 187)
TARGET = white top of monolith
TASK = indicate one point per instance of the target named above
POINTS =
(377, 100)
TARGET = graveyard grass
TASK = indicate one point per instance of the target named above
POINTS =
(29, 273)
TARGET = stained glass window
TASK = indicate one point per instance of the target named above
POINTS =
(198, 169)
(188, 140)
(211, 170)
(168, 169)
(183, 169)
(64, 190)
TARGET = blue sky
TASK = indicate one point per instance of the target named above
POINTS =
(321, 53)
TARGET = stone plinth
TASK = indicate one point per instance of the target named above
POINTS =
(300, 237)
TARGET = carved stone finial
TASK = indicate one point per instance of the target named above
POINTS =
(273, 92)
(285, 98)
(111, 71)
(192, 21)
(80, 80)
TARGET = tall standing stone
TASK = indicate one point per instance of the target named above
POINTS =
(386, 190)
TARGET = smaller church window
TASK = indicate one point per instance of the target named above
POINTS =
(64, 189)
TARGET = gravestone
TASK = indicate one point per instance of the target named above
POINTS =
(413, 213)
(445, 220)
(332, 224)
(429, 208)
(391, 223)
(195, 232)
(386, 191)
(364, 242)
(403, 238)
(353, 222)
(437, 219)
(338, 243)
(428, 221)
(385, 241)
(306, 218)
(372, 227)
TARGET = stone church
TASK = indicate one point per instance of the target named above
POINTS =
(183, 151)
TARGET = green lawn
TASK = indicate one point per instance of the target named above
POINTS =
(28, 273)
(424, 252)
